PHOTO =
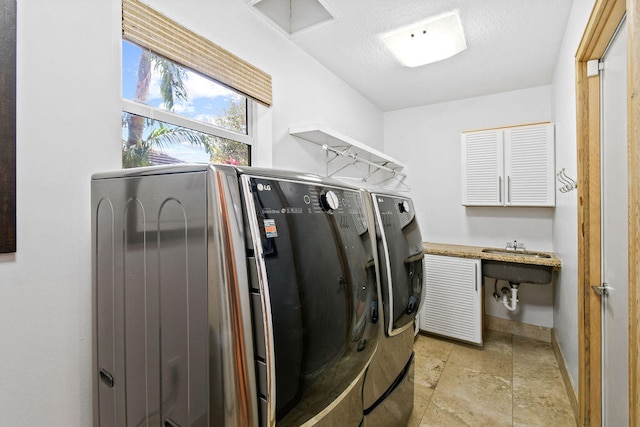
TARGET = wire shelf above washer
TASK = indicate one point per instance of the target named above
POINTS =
(344, 146)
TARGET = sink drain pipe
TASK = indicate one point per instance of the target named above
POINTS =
(510, 302)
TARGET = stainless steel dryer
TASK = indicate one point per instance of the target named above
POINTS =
(388, 388)
(228, 296)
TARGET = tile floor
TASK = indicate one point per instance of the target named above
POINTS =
(510, 381)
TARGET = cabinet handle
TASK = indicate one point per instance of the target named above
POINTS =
(499, 189)
(509, 188)
(475, 275)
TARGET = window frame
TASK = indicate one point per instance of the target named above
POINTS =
(134, 107)
(152, 30)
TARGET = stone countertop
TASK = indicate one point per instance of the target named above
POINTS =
(464, 251)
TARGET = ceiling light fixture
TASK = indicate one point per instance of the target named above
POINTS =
(434, 39)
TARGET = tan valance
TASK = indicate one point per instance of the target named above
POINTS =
(150, 29)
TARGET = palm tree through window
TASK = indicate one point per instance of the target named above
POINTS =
(172, 114)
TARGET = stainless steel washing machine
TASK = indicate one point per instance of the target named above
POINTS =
(227, 296)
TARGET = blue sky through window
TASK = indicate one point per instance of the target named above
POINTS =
(206, 101)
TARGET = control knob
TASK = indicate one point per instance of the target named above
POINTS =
(403, 206)
(329, 201)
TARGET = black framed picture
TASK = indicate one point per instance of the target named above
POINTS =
(7, 126)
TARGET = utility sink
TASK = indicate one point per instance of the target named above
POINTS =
(516, 272)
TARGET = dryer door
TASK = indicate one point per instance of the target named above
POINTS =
(317, 290)
(400, 252)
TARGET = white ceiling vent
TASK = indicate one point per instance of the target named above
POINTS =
(293, 16)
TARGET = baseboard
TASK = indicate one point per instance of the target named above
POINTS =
(573, 398)
(513, 327)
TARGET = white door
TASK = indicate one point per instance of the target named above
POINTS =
(615, 402)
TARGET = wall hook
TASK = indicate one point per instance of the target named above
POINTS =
(567, 184)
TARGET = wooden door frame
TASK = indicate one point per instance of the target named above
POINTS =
(602, 24)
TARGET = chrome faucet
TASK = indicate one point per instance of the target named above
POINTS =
(515, 246)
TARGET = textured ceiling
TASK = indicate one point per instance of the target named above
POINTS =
(511, 44)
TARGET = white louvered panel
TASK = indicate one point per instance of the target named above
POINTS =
(529, 165)
(482, 167)
(452, 298)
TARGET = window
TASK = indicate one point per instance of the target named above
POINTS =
(184, 97)
(172, 114)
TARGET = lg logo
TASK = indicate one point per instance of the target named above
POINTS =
(262, 187)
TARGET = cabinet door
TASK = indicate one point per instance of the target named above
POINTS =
(482, 168)
(452, 298)
(529, 165)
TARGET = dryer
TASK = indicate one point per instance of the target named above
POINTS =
(388, 387)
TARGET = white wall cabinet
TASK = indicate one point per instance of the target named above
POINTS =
(511, 166)
(452, 298)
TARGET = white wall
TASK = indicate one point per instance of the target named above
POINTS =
(427, 139)
(565, 228)
(303, 91)
(68, 127)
